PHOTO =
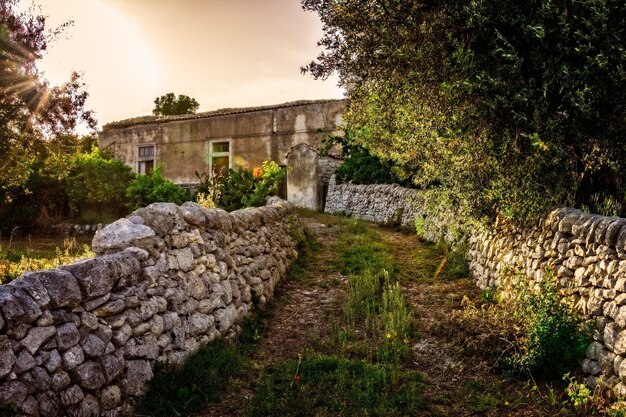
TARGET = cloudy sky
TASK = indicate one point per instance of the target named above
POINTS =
(224, 53)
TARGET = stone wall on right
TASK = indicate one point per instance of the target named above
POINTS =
(587, 253)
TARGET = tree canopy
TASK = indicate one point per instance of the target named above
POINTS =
(510, 107)
(170, 105)
(31, 111)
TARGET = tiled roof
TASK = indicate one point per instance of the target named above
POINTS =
(221, 112)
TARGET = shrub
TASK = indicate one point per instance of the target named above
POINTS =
(526, 328)
(454, 264)
(153, 188)
(553, 338)
(97, 183)
(359, 165)
(243, 188)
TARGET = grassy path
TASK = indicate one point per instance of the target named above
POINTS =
(319, 350)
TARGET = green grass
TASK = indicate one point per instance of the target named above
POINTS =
(375, 302)
(332, 386)
(184, 390)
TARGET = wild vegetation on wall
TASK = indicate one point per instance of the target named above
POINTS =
(512, 106)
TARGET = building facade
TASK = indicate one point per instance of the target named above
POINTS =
(228, 138)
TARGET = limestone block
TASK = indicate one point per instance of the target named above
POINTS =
(30, 406)
(162, 218)
(17, 305)
(199, 323)
(36, 337)
(620, 343)
(136, 374)
(60, 380)
(13, 392)
(67, 336)
(73, 357)
(110, 397)
(122, 234)
(110, 309)
(71, 395)
(89, 375)
(93, 346)
(54, 361)
(144, 347)
(122, 334)
(97, 276)
(112, 366)
(7, 357)
(88, 407)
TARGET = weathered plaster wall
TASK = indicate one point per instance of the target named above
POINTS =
(265, 133)
(307, 180)
(586, 251)
(82, 340)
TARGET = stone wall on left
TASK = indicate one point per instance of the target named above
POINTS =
(82, 339)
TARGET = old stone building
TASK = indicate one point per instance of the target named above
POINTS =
(230, 138)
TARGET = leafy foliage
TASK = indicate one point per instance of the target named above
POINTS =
(511, 106)
(30, 109)
(170, 105)
(96, 180)
(359, 165)
(154, 188)
(65, 181)
(525, 327)
(553, 338)
(243, 188)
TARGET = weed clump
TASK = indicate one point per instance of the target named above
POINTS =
(553, 338)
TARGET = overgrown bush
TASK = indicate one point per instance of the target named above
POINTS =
(526, 328)
(359, 165)
(97, 182)
(154, 188)
(243, 188)
(454, 264)
(553, 338)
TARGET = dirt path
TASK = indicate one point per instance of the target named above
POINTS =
(306, 310)
(300, 316)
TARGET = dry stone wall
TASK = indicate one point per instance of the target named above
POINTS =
(394, 205)
(82, 340)
(587, 252)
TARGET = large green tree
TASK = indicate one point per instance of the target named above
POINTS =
(170, 105)
(31, 111)
(508, 106)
